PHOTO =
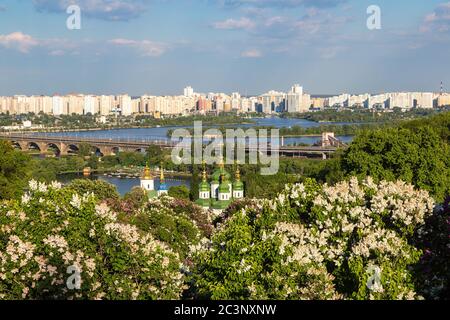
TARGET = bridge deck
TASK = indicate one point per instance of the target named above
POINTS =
(144, 143)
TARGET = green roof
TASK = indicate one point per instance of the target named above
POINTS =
(221, 204)
(206, 203)
(204, 186)
(238, 185)
(218, 173)
(224, 187)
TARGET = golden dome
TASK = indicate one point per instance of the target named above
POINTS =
(147, 174)
(162, 174)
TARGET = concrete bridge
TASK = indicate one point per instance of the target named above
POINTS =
(65, 145)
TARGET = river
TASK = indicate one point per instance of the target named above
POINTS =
(125, 185)
(161, 132)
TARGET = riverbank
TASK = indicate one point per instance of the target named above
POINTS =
(128, 173)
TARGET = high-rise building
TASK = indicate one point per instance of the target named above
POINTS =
(296, 101)
(106, 105)
(318, 103)
(443, 100)
(58, 105)
(337, 101)
(401, 100)
(273, 101)
(358, 100)
(377, 101)
(422, 100)
(188, 92)
(124, 102)
(90, 105)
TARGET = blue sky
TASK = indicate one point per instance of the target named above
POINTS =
(251, 46)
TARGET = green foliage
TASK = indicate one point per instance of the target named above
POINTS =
(179, 192)
(195, 181)
(177, 223)
(128, 159)
(155, 155)
(14, 171)
(84, 150)
(432, 274)
(316, 242)
(361, 115)
(53, 233)
(417, 156)
(102, 189)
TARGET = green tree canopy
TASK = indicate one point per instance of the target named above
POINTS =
(418, 156)
(102, 189)
(14, 171)
(179, 192)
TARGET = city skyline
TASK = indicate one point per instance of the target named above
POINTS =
(296, 100)
(156, 47)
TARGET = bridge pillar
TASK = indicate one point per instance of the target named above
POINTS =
(43, 147)
(23, 145)
(106, 151)
(63, 149)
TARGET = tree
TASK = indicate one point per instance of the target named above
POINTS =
(136, 198)
(317, 242)
(178, 228)
(84, 150)
(14, 171)
(195, 181)
(102, 189)
(418, 156)
(93, 162)
(179, 192)
(53, 236)
(131, 159)
(155, 155)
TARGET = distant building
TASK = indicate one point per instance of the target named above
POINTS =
(443, 100)
(188, 92)
(125, 105)
(296, 101)
(337, 101)
(273, 101)
(148, 184)
(318, 103)
(58, 106)
(360, 101)
(163, 189)
(402, 100)
(219, 194)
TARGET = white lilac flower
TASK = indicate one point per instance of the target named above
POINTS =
(76, 201)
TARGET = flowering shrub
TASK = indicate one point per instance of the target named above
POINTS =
(348, 241)
(178, 223)
(56, 244)
(433, 270)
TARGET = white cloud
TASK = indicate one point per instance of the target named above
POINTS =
(18, 41)
(439, 20)
(281, 3)
(232, 24)
(114, 10)
(252, 53)
(330, 52)
(145, 47)
(57, 53)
